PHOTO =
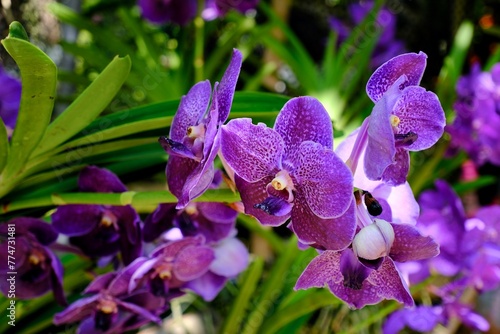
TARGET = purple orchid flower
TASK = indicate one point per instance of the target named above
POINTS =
(172, 265)
(426, 318)
(215, 221)
(292, 171)
(366, 273)
(100, 230)
(10, 98)
(27, 263)
(405, 118)
(110, 308)
(474, 128)
(469, 246)
(387, 45)
(193, 142)
(394, 204)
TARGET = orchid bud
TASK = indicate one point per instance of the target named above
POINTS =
(374, 241)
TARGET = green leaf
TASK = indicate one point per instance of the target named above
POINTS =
(16, 30)
(453, 64)
(272, 287)
(480, 182)
(241, 303)
(307, 301)
(87, 106)
(38, 77)
(4, 145)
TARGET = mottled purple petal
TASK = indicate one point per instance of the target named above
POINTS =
(255, 193)
(177, 171)
(200, 179)
(252, 151)
(303, 119)
(410, 64)
(383, 283)
(396, 173)
(420, 112)
(207, 286)
(191, 109)
(101, 180)
(192, 262)
(332, 234)
(324, 179)
(76, 219)
(225, 91)
(231, 258)
(410, 245)
(323, 268)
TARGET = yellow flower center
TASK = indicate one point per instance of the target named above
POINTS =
(108, 219)
(395, 121)
(196, 131)
(107, 306)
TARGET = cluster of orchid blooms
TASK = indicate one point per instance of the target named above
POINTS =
(351, 203)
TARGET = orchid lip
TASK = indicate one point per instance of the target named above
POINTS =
(405, 139)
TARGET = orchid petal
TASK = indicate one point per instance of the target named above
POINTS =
(410, 64)
(303, 119)
(420, 112)
(324, 179)
(191, 109)
(252, 151)
(410, 245)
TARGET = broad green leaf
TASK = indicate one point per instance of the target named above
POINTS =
(38, 77)
(4, 145)
(87, 106)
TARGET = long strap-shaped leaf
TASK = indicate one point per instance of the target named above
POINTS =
(87, 106)
(38, 76)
